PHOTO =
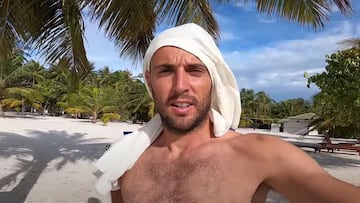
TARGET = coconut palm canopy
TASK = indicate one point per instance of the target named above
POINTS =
(56, 27)
(350, 43)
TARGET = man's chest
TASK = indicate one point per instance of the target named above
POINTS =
(195, 179)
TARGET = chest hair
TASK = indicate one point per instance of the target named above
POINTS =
(161, 181)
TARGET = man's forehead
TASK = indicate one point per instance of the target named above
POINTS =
(166, 53)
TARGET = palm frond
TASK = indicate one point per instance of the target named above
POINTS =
(321, 124)
(63, 104)
(29, 94)
(105, 118)
(129, 24)
(61, 34)
(304, 12)
(28, 71)
(349, 43)
(108, 109)
(7, 36)
(179, 12)
(10, 26)
(73, 110)
(245, 122)
(19, 20)
(36, 106)
(11, 103)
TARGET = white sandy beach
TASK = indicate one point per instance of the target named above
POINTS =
(50, 159)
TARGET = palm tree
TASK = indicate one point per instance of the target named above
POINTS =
(104, 76)
(89, 100)
(141, 103)
(56, 82)
(18, 89)
(263, 104)
(256, 107)
(56, 27)
(96, 101)
(350, 43)
(248, 107)
(290, 107)
(17, 97)
(31, 73)
(8, 72)
(247, 101)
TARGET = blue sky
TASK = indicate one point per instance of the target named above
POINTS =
(265, 53)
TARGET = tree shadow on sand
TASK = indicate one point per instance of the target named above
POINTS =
(42, 147)
(332, 160)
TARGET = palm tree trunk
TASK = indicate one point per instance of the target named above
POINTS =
(94, 117)
(45, 106)
(2, 114)
(22, 107)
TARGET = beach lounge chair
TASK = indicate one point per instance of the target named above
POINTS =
(316, 146)
(327, 144)
(345, 146)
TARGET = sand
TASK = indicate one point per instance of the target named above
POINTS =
(50, 159)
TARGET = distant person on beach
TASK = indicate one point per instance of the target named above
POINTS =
(189, 152)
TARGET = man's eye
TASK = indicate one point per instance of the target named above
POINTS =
(164, 70)
(196, 71)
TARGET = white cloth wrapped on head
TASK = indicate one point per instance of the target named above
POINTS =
(225, 105)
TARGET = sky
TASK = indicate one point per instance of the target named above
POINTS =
(264, 52)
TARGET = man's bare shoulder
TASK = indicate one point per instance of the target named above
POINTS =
(286, 168)
(268, 149)
(258, 142)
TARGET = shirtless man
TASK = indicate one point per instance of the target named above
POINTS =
(188, 163)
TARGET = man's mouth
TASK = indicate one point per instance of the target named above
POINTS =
(182, 107)
(182, 104)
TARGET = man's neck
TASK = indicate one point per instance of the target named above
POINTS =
(177, 143)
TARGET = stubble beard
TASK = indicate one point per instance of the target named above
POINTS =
(183, 125)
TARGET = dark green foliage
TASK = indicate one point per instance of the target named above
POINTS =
(338, 103)
(290, 107)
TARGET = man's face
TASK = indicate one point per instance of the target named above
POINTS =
(181, 87)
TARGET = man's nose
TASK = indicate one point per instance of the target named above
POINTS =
(181, 80)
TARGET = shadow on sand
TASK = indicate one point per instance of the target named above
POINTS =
(331, 160)
(42, 147)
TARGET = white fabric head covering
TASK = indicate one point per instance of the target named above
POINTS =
(195, 40)
(225, 106)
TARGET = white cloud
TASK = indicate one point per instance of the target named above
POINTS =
(239, 4)
(263, 19)
(248, 6)
(223, 20)
(276, 67)
(282, 64)
(229, 36)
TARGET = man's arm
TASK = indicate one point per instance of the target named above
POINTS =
(260, 194)
(116, 196)
(298, 177)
